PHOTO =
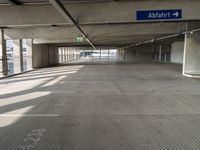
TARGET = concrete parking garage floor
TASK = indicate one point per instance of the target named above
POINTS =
(100, 107)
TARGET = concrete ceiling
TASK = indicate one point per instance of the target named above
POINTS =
(105, 23)
(31, 2)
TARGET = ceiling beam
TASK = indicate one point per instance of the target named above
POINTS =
(64, 12)
(15, 2)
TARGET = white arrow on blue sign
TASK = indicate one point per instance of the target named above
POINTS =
(172, 14)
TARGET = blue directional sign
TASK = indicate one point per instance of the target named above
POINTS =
(172, 14)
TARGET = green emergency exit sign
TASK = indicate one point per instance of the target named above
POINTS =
(79, 39)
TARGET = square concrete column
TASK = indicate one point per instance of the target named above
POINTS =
(191, 58)
(21, 55)
(69, 57)
(65, 55)
(29, 53)
(72, 54)
(3, 53)
(108, 54)
(1, 69)
(18, 56)
(45, 55)
(100, 54)
(71, 51)
(160, 53)
(59, 52)
(165, 57)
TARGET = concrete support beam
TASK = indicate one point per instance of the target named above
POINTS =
(95, 31)
(4, 53)
(191, 63)
(44, 55)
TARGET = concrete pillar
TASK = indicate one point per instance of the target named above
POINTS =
(60, 61)
(100, 55)
(119, 54)
(67, 54)
(72, 54)
(92, 54)
(191, 59)
(177, 49)
(160, 53)
(4, 53)
(69, 50)
(16, 56)
(108, 54)
(165, 57)
(123, 55)
(44, 55)
(78, 54)
(63, 55)
(1, 68)
(154, 52)
(29, 47)
(21, 55)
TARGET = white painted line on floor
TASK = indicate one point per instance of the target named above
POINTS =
(30, 115)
